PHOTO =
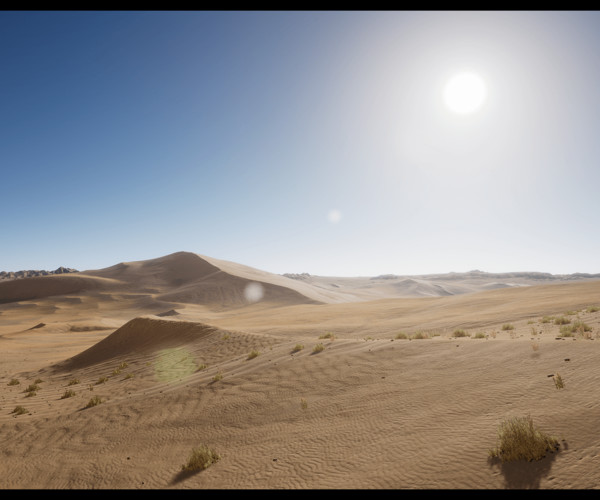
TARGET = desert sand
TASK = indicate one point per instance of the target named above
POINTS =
(166, 344)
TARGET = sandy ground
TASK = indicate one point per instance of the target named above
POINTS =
(165, 345)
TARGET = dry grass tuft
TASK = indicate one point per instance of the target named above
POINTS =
(297, 348)
(479, 335)
(519, 439)
(19, 410)
(318, 348)
(328, 335)
(14, 381)
(201, 458)
(73, 381)
(253, 354)
(562, 321)
(507, 326)
(401, 335)
(459, 333)
(558, 381)
(95, 401)
(69, 393)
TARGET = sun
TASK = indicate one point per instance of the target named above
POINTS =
(465, 93)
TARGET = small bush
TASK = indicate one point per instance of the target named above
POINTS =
(328, 335)
(479, 335)
(38, 381)
(459, 333)
(318, 348)
(14, 381)
(507, 326)
(547, 319)
(570, 313)
(19, 410)
(253, 354)
(593, 309)
(32, 388)
(128, 376)
(518, 439)
(116, 371)
(218, 376)
(102, 380)
(562, 321)
(123, 365)
(201, 366)
(73, 381)
(94, 402)
(401, 335)
(566, 331)
(297, 348)
(201, 458)
(420, 335)
(69, 393)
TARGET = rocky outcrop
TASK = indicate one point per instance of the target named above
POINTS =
(14, 275)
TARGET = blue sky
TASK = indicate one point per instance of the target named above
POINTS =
(131, 135)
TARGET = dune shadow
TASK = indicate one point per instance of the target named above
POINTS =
(522, 474)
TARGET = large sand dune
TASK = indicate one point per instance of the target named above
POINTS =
(166, 345)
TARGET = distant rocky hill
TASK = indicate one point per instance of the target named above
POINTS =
(14, 275)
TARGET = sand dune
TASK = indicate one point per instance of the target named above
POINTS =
(178, 356)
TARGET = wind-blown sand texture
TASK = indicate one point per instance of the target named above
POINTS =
(371, 410)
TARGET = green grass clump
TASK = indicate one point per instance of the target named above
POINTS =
(201, 458)
(519, 439)
(479, 335)
(318, 348)
(14, 381)
(95, 401)
(19, 410)
(297, 348)
(69, 393)
(253, 354)
(459, 333)
(507, 326)
(562, 321)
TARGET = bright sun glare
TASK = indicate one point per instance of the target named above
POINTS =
(464, 93)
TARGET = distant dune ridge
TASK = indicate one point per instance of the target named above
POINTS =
(110, 377)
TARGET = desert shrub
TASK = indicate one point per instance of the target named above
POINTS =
(570, 313)
(401, 335)
(593, 309)
(69, 393)
(73, 381)
(38, 381)
(19, 410)
(558, 381)
(548, 319)
(116, 371)
(14, 381)
(318, 348)
(519, 439)
(225, 336)
(566, 331)
(253, 354)
(303, 404)
(533, 331)
(123, 365)
(201, 458)
(459, 333)
(479, 335)
(32, 388)
(581, 327)
(94, 402)
(218, 376)
(507, 326)
(129, 375)
(327, 335)
(420, 335)
(297, 348)
(201, 366)
(101, 380)
(562, 321)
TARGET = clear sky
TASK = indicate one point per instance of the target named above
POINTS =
(316, 142)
